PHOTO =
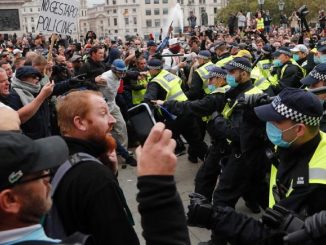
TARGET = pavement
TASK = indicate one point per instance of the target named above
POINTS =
(184, 177)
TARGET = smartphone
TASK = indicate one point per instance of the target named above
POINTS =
(142, 119)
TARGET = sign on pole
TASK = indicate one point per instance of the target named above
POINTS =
(58, 16)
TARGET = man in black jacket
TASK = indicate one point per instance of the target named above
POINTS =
(88, 197)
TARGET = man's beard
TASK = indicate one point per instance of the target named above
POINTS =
(105, 142)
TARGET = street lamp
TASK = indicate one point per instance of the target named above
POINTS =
(261, 3)
(281, 5)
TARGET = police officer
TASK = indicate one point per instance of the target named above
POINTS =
(222, 53)
(317, 79)
(211, 104)
(321, 48)
(261, 72)
(165, 86)
(300, 55)
(285, 72)
(199, 85)
(297, 182)
(245, 169)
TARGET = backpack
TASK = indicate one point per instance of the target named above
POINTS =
(53, 225)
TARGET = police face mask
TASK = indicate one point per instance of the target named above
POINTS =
(231, 81)
(296, 57)
(275, 135)
(322, 58)
(211, 87)
(277, 63)
(317, 60)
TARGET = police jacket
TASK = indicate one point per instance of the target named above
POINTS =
(92, 69)
(299, 184)
(198, 84)
(289, 75)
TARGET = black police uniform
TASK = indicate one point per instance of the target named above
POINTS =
(208, 172)
(184, 124)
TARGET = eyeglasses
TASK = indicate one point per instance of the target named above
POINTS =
(46, 174)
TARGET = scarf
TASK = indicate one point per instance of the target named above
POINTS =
(25, 90)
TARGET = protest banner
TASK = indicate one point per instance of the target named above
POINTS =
(58, 16)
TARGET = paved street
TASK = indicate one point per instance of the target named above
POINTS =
(185, 183)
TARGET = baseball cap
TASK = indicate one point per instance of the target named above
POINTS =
(25, 71)
(316, 75)
(300, 48)
(244, 53)
(75, 58)
(216, 72)
(16, 51)
(119, 65)
(282, 50)
(238, 63)
(173, 41)
(295, 104)
(204, 54)
(21, 156)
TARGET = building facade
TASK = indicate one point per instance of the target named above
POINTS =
(123, 18)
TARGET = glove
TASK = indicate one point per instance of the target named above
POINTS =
(200, 211)
(77, 80)
(252, 100)
(282, 219)
(217, 128)
(315, 225)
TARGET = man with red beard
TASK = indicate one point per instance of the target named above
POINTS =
(88, 198)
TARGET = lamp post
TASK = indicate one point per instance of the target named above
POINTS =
(261, 3)
(281, 5)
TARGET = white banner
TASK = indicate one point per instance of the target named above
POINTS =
(58, 16)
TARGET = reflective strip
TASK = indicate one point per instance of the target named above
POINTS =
(175, 95)
(317, 173)
(260, 81)
(201, 72)
(164, 84)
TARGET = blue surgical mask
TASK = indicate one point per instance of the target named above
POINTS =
(277, 63)
(231, 81)
(322, 58)
(296, 57)
(211, 87)
(275, 135)
(317, 60)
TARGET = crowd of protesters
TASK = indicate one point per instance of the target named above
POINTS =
(64, 119)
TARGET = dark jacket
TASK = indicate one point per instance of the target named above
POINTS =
(196, 90)
(90, 200)
(92, 69)
(162, 214)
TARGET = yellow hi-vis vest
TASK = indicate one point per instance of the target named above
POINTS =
(260, 24)
(274, 79)
(317, 170)
(228, 109)
(260, 73)
(222, 62)
(138, 95)
(203, 71)
(171, 84)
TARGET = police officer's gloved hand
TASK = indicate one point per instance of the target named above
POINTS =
(315, 225)
(253, 100)
(217, 127)
(282, 219)
(200, 211)
(77, 80)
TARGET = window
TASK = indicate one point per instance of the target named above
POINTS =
(101, 21)
(30, 10)
(102, 29)
(215, 10)
(157, 23)
(135, 20)
(147, 1)
(134, 10)
(181, 1)
(84, 24)
(148, 12)
(156, 1)
(115, 21)
(215, 1)
(148, 23)
(32, 19)
(25, 19)
(114, 2)
(126, 1)
(135, 30)
(114, 11)
(127, 30)
(39, 9)
(108, 21)
(109, 11)
(126, 21)
(133, 1)
(204, 1)
(165, 1)
(165, 11)
(156, 11)
(115, 31)
(33, 29)
(126, 12)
